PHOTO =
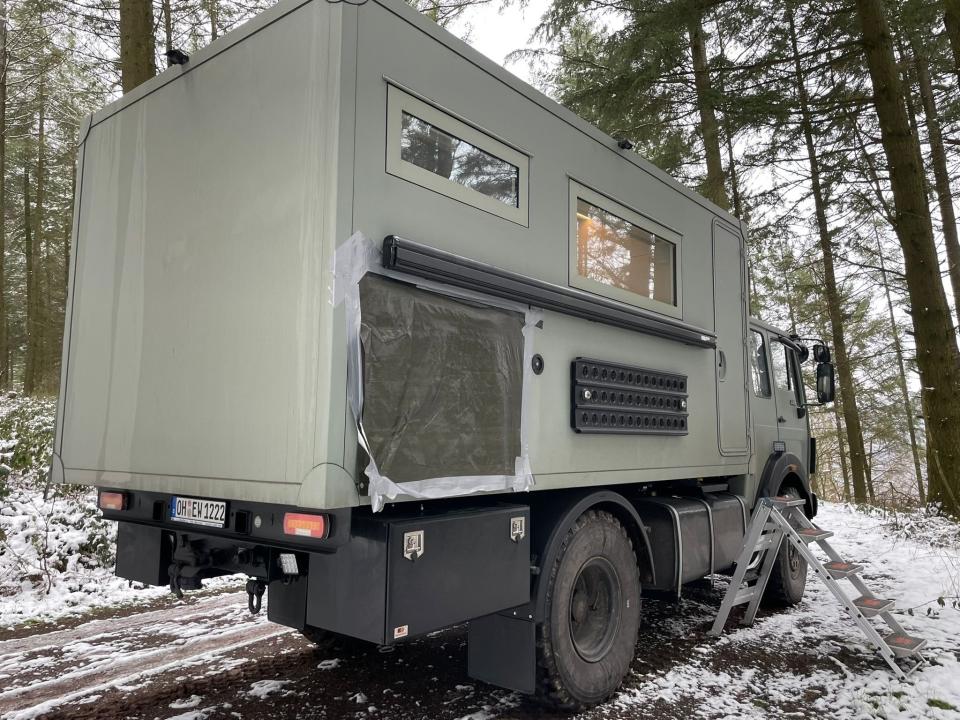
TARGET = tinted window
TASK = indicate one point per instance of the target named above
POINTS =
(758, 365)
(615, 252)
(446, 155)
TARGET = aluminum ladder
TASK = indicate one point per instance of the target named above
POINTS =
(770, 525)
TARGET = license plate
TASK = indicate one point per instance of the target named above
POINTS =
(212, 513)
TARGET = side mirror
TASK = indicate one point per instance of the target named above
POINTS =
(826, 384)
(821, 353)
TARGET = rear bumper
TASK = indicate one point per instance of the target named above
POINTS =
(247, 523)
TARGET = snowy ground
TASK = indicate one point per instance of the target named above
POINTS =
(208, 658)
(77, 642)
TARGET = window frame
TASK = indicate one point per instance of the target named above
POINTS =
(399, 102)
(579, 191)
(754, 369)
(795, 388)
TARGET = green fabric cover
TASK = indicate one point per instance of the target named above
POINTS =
(442, 381)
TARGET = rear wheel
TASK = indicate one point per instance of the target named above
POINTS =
(592, 613)
(788, 578)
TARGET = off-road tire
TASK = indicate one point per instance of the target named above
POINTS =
(597, 548)
(788, 578)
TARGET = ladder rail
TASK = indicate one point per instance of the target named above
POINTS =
(757, 525)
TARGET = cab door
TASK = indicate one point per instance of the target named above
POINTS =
(763, 406)
(789, 395)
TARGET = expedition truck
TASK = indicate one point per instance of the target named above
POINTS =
(359, 314)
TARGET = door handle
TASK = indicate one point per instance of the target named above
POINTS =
(781, 419)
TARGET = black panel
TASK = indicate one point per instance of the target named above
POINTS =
(620, 399)
(501, 650)
(423, 261)
(442, 382)
(144, 554)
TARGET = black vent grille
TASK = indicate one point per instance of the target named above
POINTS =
(620, 399)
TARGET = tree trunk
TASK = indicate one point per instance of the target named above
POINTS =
(714, 188)
(5, 380)
(738, 208)
(937, 357)
(951, 20)
(851, 413)
(167, 28)
(904, 392)
(29, 379)
(137, 61)
(843, 453)
(938, 156)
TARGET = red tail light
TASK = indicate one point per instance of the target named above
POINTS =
(113, 501)
(314, 526)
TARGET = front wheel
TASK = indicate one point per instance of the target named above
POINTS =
(587, 641)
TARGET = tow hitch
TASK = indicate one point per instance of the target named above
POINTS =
(255, 590)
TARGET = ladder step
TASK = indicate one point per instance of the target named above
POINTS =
(745, 595)
(787, 501)
(814, 534)
(839, 569)
(905, 645)
(871, 606)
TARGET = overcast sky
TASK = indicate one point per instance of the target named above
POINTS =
(497, 33)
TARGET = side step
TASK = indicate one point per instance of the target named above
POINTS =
(813, 534)
(840, 569)
(871, 606)
(904, 645)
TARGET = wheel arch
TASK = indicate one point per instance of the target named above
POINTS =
(787, 470)
(559, 514)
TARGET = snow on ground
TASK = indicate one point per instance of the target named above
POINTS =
(813, 657)
(56, 559)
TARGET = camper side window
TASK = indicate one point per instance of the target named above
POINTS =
(623, 255)
(446, 155)
(758, 366)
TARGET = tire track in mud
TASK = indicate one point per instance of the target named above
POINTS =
(37, 698)
(109, 626)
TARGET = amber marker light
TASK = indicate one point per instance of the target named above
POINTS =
(302, 525)
(113, 501)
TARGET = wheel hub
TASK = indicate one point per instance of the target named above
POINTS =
(595, 609)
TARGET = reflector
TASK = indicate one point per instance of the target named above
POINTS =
(288, 564)
(113, 501)
(303, 525)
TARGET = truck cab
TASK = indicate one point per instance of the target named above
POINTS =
(779, 408)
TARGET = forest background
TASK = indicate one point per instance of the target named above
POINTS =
(829, 127)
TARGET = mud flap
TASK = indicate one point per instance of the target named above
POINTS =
(502, 651)
(143, 553)
(287, 602)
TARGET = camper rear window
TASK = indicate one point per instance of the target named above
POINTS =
(623, 255)
(446, 155)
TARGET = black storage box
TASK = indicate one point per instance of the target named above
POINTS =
(407, 575)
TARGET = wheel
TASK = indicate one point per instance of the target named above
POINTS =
(788, 578)
(592, 614)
